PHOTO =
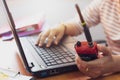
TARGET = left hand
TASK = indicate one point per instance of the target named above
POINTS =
(96, 67)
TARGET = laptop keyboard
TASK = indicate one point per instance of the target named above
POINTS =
(53, 55)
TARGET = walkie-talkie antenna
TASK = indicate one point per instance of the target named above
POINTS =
(86, 29)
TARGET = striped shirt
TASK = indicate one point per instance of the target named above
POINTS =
(106, 12)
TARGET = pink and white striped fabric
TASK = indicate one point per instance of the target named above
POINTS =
(106, 12)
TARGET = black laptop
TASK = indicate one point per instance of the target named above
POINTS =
(43, 62)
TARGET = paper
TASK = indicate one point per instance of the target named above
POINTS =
(7, 74)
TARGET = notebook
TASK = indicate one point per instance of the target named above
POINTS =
(43, 62)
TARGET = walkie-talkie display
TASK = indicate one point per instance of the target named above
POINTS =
(87, 50)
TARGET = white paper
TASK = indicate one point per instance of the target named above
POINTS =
(7, 74)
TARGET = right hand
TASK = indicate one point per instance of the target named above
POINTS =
(97, 67)
(53, 35)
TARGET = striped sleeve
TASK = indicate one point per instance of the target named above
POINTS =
(90, 15)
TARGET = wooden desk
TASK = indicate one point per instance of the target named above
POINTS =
(9, 58)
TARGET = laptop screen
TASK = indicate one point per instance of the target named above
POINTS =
(13, 30)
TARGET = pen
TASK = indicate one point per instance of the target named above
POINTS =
(86, 30)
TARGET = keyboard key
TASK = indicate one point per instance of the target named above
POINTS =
(54, 55)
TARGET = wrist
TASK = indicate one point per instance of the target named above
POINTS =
(116, 66)
(65, 28)
(70, 29)
(112, 65)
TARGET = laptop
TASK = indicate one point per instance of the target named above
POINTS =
(43, 62)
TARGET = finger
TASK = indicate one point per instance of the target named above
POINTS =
(106, 50)
(43, 37)
(50, 39)
(80, 63)
(38, 39)
(77, 59)
(100, 54)
(58, 38)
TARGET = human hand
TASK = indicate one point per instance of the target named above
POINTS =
(96, 67)
(53, 35)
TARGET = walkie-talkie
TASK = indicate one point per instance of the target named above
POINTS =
(87, 50)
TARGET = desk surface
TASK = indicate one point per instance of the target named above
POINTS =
(9, 58)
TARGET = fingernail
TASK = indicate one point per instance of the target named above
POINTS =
(56, 42)
(47, 45)
(40, 44)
